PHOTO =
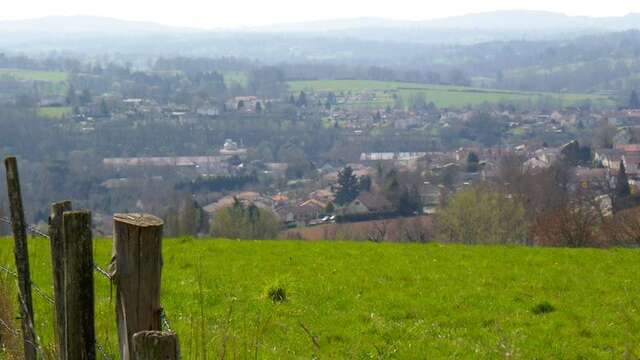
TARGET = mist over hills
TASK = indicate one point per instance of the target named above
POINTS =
(364, 41)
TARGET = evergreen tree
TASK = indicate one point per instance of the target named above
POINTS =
(302, 99)
(364, 183)
(634, 101)
(473, 162)
(104, 109)
(622, 183)
(330, 208)
(347, 186)
(72, 99)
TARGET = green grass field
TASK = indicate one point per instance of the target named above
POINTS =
(54, 112)
(366, 300)
(22, 74)
(441, 95)
(237, 77)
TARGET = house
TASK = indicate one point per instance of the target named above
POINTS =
(632, 164)
(245, 197)
(301, 214)
(608, 158)
(367, 203)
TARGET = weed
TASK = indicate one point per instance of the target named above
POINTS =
(543, 308)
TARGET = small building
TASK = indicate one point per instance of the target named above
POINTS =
(367, 203)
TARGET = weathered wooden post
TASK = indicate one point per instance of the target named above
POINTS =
(22, 257)
(80, 338)
(136, 268)
(156, 345)
(57, 262)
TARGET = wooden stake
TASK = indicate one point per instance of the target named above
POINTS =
(57, 262)
(136, 270)
(156, 345)
(21, 253)
(80, 339)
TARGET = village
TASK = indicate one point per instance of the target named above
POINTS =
(309, 200)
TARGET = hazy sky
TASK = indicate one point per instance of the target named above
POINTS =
(237, 13)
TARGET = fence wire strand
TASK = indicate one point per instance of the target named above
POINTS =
(34, 230)
(165, 320)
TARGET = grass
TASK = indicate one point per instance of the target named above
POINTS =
(441, 95)
(23, 74)
(237, 77)
(293, 299)
(54, 112)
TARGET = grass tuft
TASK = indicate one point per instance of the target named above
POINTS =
(543, 308)
(276, 292)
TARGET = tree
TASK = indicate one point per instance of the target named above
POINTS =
(481, 215)
(330, 208)
(72, 99)
(240, 221)
(85, 97)
(418, 101)
(572, 225)
(634, 101)
(104, 109)
(302, 99)
(473, 162)
(364, 183)
(348, 188)
(408, 201)
(622, 186)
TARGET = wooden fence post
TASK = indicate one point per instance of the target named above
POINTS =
(80, 340)
(22, 257)
(57, 262)
(136, 270)
(156, 345)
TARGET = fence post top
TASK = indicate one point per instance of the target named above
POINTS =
(138, 219)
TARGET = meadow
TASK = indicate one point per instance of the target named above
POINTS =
(23, 74)
(362, 300)
(54, 112)
(440, 95)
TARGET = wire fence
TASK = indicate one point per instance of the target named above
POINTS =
(41, 293)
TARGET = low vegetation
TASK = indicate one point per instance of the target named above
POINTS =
(383, 93)
(24, 74)
(292, 299)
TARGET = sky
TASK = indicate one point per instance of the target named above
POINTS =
(212, 14)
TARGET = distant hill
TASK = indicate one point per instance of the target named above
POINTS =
(516, 20)
(363, 40)
(85, 25)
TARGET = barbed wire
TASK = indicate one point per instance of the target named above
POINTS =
(165, 320)
(16, 333)
(30, 228)
(29, 322)
(103, 352)
(101, 271)
(35, 287)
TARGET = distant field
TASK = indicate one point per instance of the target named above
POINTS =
(441, 95)
(238, 77)
(22, 74)
(54, 112)
(360, 300)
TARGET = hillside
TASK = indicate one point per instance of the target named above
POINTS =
(365, 300)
